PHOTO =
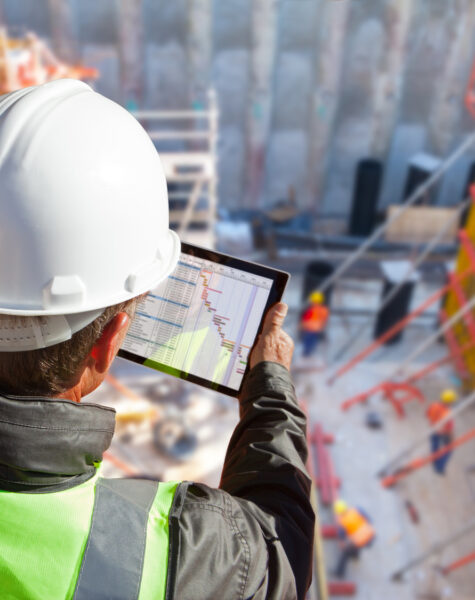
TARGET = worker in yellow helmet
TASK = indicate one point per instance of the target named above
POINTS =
(443, 436)
(313, 322)
(355, 528)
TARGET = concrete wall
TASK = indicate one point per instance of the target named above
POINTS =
(306, 87)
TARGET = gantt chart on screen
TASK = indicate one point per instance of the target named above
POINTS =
(202, 320)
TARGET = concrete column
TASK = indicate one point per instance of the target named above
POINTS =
(131, 51)
(329, 62)
(447, 104)
(62, 31)
(199, 49)
(258, 118)
(387, 92)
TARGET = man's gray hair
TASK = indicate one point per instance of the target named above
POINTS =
(53, 370)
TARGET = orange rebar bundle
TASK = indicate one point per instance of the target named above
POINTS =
(28, 61)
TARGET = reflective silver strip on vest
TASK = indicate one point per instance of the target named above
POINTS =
(113, 559)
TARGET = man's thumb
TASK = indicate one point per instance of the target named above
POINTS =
(275, 317)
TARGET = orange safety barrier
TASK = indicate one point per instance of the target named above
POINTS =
(391, 480)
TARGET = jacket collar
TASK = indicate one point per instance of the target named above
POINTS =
(51, 444)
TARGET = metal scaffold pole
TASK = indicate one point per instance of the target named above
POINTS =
(391, 465)
(422, 461)
(434, 337)
(457, 564)
(431, 339)
(390, 333)
(418, 192)
(437, 547)
(412, 268)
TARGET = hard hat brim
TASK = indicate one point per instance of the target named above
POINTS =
(55, 328)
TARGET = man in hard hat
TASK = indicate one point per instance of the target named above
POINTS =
(355, 529)
(84, 233)
(313, 322)
(443, 435)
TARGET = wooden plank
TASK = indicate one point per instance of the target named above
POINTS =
(199, 216)
(419, 224)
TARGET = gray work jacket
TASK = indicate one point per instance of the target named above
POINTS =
(250, 538)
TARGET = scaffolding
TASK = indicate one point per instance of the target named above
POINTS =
(189, 159)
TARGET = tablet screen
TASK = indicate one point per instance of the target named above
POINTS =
(202, 321)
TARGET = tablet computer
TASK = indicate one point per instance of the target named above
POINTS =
(201, 322)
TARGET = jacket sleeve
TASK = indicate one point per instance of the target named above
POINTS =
(265, 468)
(253, 537)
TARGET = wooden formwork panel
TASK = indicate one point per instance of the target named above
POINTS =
(453, 303)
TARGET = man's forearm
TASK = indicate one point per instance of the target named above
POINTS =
(270, 436)
(265, 464)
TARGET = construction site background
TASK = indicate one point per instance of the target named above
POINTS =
(333, 139)
(305, 87)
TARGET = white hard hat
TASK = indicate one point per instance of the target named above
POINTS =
(83, 210)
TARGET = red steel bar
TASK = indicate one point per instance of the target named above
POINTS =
(120, 464)
(438, 363)
(341, 588)
(391, 480)
(329, 531)
(334, 482)
(470, 93)
(461, 562)
(310, 462)
(429, 368)
(397, 327)
(362, 397)
(122, 388)
(327, 481)
(412, 393)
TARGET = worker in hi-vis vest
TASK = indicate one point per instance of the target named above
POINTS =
(84, 232)
(313, 322)
(356, 531)
(444, 435)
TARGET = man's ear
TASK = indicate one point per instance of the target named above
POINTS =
(107, 346)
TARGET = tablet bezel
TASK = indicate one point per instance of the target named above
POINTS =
(280, 280)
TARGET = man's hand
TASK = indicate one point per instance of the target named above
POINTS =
(273, 343)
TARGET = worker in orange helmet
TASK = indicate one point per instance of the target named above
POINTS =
(443, 436)
(355, 528)
(313, 322)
